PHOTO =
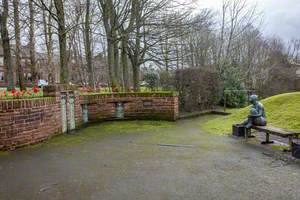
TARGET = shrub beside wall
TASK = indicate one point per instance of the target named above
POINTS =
(199, 89)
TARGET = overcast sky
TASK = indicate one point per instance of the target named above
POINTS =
(281, 17)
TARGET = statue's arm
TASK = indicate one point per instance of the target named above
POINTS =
(259, 111)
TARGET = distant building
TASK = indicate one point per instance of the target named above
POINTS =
(25, 63)
(77, 68)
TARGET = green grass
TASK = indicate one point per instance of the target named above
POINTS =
(282, 111)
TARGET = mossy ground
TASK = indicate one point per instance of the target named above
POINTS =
(99, 131)
(282, 111)
(4, 153)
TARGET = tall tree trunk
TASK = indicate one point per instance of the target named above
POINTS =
(110, 25)
(111, 62)
(136, 77)
(6, 45)
(32, 42)
(47, 20)
(136, 59)
(18, 44)
(62, 37)
(124, 59)
(88, 51)
(117, 60)
(220, 50)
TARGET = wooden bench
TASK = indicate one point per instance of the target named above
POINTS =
(276, 131)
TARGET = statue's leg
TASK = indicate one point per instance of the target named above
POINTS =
(260, 121)
(248, 123)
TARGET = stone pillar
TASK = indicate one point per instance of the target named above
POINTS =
(68, 96)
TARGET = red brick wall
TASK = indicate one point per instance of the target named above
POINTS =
(163, 106)
(28, 121)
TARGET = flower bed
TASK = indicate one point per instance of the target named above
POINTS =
(19, 94)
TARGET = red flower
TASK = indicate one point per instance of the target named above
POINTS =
(17, 93)
(35, 89)
(4, 93)
(13, 91)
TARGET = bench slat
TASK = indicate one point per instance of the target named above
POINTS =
(275, 131)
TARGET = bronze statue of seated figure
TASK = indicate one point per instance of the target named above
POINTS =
(257, 114)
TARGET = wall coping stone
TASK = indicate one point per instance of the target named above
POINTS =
(56, 89)
(132, 94)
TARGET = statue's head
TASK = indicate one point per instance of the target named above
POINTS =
(253, 99)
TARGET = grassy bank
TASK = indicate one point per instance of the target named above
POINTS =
(282, 111)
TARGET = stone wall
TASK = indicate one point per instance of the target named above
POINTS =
(28, 121)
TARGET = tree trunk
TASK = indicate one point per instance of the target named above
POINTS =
(111, 62)
(136, 77)
(62, 37)
(49, 45)
(32, 42)
(109, 19)
(124, 58)
(6, 45)
(117, 58)
(88, 51)
(18, 45)
(136, 59)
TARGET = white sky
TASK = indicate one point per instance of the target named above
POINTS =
(281, 17)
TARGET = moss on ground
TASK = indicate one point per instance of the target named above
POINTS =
(282, 111)
(181, 134)
(4, 153)
(99, 131)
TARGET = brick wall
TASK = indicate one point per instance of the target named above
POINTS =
(28, 121)
(162, 106)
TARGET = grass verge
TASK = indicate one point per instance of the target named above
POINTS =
(282, 111)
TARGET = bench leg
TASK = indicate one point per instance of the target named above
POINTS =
(267, 139)
(290, 144)
(248, 131)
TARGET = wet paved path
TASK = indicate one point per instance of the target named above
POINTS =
(173, 162)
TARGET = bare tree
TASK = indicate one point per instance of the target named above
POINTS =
(48, 34)
(293, 50)
(109, 15)
(62, 35)
(6, 45)
(32, 41)
(88, 50)
(18, 44)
